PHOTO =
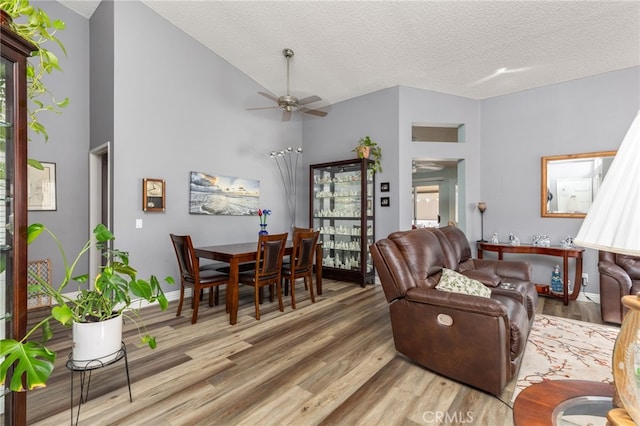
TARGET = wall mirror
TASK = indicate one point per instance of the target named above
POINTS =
(570, 182)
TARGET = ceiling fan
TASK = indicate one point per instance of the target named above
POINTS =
(289, 103)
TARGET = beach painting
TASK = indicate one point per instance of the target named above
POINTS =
(223, 195)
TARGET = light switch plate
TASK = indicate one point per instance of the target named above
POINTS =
(138, 223)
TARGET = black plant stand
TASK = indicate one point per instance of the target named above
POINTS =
(84, 366)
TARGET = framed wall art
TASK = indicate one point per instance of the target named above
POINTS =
(384, 186)
(41, 188)
(223, 195)
(385, 202)
(153, 195)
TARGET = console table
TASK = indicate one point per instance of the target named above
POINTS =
(564, 253)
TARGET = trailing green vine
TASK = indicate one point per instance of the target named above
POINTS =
(34, 25)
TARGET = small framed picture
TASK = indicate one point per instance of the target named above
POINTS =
(384, 202)
(384, 186)
(153, 198)
(41, 188)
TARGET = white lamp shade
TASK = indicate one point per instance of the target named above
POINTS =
(613, 221)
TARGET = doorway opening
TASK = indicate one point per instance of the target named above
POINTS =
(435, 192)
(426, 206)
(100, 199)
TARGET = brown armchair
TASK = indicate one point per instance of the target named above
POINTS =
(619, 276)
(489, 272)
(474, 340)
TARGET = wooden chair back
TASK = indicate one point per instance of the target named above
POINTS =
(301, 265)
(191, 275)
(187, 261)
(297, 229)
(269, 257)
(304, 247)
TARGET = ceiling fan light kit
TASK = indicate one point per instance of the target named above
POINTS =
(289, 103)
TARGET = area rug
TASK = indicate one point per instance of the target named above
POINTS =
(561, 348)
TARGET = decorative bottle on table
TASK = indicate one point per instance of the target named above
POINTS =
(556, 280)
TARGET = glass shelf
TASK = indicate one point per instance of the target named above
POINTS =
(341, 208)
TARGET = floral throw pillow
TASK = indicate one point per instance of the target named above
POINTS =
(458, 283)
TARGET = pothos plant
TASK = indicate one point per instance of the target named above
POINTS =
(371, 148)
(34, 25)
(110, 296)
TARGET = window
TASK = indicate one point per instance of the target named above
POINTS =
(434, 132)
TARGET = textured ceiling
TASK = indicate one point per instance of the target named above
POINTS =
(476, 49)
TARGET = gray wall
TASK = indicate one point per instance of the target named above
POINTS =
(179, 108)
(102, 68)
(68, 143)
(500, 156)
(585, 115)
(387, 116)
(422, 106)
(170, 106)
(334, 137)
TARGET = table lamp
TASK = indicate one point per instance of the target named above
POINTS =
(482, 206)
(613, 224)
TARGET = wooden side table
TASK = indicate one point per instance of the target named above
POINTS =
(564, 253)
(537, 404)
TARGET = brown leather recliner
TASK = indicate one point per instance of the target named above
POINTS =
(619, 276)
(489, 272)
(474, 340)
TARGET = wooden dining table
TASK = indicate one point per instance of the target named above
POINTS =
(235, 254)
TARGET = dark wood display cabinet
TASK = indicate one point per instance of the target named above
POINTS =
(13, 202)
(341, 207)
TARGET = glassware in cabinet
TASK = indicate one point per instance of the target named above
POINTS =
(341, 208)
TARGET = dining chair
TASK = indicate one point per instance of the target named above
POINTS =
(301, 265)
(298, 229)
(191, 275)
(287, 258)
(268, 268)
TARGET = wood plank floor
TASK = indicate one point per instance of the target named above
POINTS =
(328, 363)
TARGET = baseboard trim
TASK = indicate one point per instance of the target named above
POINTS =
(140, 303)
(589, 297)
(175, 295)
(171, 296)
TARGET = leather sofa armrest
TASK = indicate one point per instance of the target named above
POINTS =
(506, 269)
(485, 276)
(456, 301)
(617, 273)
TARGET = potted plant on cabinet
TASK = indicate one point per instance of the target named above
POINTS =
(367, 148)
(108, 301)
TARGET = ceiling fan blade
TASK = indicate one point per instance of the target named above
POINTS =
(269, 96)
(309, 100)
(317, 112)
(265, 107)
(286, 115)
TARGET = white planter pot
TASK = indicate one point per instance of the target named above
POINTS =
(96, 343)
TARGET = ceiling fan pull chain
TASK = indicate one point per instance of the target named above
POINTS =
(288, 53)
